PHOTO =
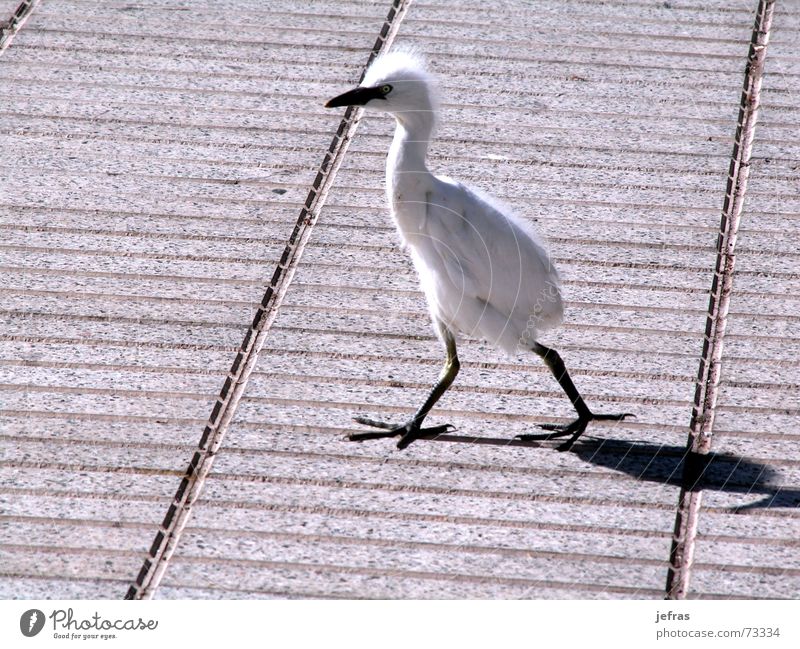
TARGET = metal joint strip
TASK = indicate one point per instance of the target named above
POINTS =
(191, 485)
(708, 377)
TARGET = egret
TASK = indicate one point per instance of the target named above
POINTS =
(482, 269)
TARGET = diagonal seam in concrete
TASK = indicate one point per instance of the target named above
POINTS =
(708, 378)
(191, 485)
(8, 28)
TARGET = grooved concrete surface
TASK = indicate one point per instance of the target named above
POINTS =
(758, 415)
(7, 9)
(156, 157)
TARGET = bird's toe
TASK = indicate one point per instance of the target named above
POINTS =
(436, 430)
(615, 417)
(366, 421)
(559, 428)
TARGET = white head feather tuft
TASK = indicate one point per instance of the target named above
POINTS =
(398, 64)
(415, 90)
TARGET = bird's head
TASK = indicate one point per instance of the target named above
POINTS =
(396, 83)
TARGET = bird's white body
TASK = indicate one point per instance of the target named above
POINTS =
(483, 271)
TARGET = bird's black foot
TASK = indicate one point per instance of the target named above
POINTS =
(407, 432)
(573, 430)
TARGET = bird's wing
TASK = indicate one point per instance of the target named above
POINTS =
(492, 255)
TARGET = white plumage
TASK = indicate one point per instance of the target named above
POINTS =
(483, 270)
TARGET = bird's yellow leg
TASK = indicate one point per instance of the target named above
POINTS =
(576, 428)
(412, 429)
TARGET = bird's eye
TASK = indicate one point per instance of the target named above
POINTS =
(386, 89)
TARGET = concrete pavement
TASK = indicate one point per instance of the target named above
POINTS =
(157, 157)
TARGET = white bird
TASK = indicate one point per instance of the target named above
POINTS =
(483, 271)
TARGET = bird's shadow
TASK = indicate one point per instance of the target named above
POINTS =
(672, 465)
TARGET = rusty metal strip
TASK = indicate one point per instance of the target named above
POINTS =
(191, 485)
(706, 392)
(11, 26)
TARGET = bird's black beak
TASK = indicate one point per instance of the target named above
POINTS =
(355, 97)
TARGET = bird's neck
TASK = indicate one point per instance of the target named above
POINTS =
(410, 145)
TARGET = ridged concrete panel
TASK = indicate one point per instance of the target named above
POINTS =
(748, 542)
(585, 141)
(157, 158)
(147, 195)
